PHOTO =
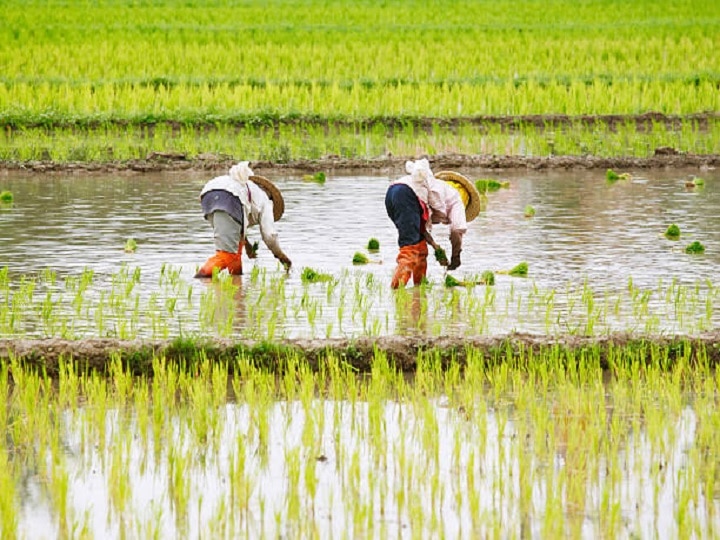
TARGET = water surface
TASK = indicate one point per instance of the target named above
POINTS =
(586, 234)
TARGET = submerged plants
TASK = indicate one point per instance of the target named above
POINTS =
(695, 248)
(672, 232)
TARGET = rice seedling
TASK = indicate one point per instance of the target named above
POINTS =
(612, 176)
(441, 256)
(485, 185)
(310, 275)
(318, 177)
(520, 269)
(130, 245)
(529, 211)
(6, 197)
(695, 248)
(672, 232)
(373, 245)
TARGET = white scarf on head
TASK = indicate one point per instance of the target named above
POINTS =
(241, 172)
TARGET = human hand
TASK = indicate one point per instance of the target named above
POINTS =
(252, 250)
(286, 262)
(454, 262)
(441, 256)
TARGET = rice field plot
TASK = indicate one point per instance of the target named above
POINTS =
(269, 64)
(536, 445)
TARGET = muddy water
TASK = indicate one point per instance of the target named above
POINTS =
(585, 233)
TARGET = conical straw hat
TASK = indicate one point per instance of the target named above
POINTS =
(472, 208)
(273, 192)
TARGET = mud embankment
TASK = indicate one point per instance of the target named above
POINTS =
(664, 158)
(401, 351)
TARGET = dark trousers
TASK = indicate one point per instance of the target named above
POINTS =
(403, 208)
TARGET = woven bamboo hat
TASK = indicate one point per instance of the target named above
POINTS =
(473, 200)
(273, 192)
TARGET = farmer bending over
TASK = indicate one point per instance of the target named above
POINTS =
(407, 202)
(460, 203)
(233, 202)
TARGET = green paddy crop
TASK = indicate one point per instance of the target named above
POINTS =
(103, 91)
(512, 440)
(269, 305)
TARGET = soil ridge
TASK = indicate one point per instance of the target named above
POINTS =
(402, 351)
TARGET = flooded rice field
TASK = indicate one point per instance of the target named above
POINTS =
(541, 445)
(596, 252)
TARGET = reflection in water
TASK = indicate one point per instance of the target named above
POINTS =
(283, 469)
(411, 310)
(222, 305)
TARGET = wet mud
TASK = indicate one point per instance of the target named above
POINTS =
(402, 352)
(664, 158)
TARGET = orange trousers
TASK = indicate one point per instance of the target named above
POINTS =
(222, 260)
(412, 262)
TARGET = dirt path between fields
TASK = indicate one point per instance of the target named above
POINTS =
(401, 351)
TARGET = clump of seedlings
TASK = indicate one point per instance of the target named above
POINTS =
(672, 232)
(529, 211)
(373, 245)
(441, 256)
(695, 182)
(612, 176)
(6, 197)
(318, 177)
(519, 270)
(310, 275)
(484, 185)
(487, 278)
(130, 245)
(361, 258)
(695, 248)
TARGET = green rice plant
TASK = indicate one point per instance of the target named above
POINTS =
(130, 245)
(310, 275)
(360, 258)
(521, 269)
(612, 176)
(529, 211)
(672, 232)
(318, 177)
(485, 185)
(441, 256)
(695, 248)
(373, 245)
(6, 197)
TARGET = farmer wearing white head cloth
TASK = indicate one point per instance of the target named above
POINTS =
(409, 201)
(232, 203)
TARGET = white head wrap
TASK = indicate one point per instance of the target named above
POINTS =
(419, 170)
(241, 172)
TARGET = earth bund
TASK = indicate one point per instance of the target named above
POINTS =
(402, 352)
